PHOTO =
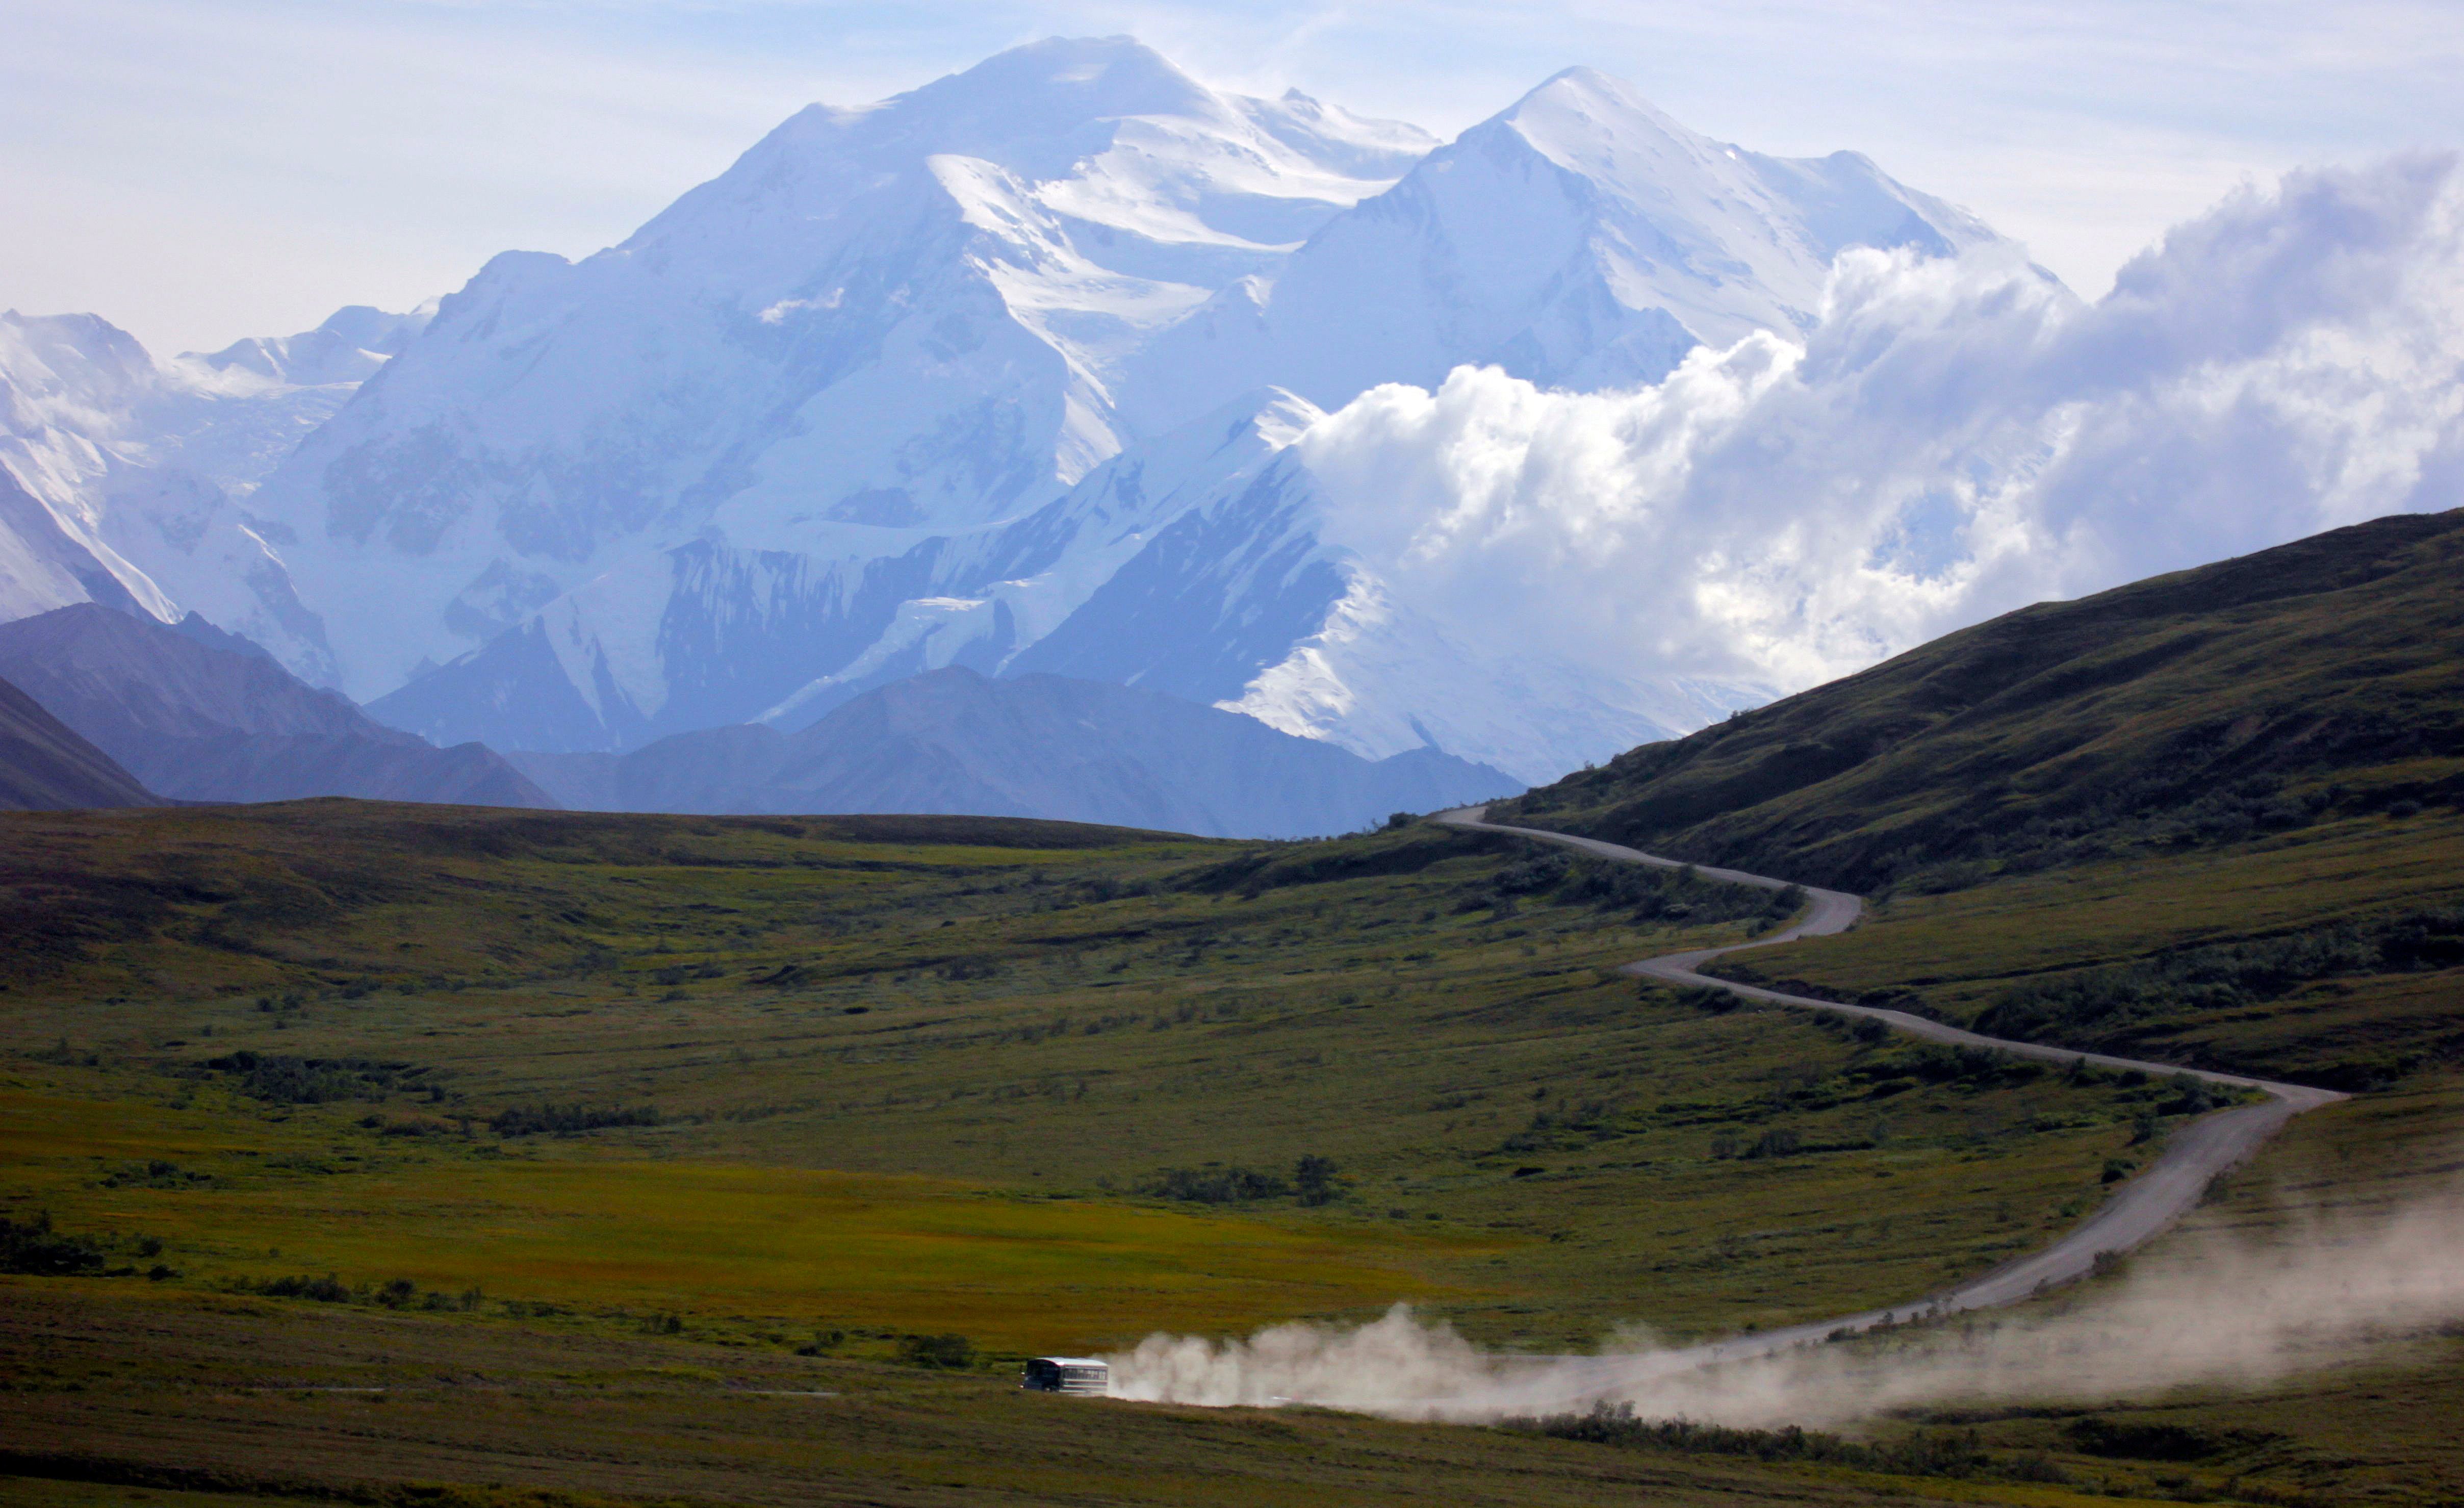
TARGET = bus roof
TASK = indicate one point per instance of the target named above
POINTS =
(1072, 1361)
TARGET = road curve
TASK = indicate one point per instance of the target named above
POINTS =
(2136, 1211)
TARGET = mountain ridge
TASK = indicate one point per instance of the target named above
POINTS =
(953, 740)
(46, 767)
(197, 718)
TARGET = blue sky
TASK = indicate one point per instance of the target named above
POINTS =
(198, 171)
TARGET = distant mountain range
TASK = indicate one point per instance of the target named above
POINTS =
(104, 707)
(197, 715)
(1004, 372)
(953, 740)
(46, 767)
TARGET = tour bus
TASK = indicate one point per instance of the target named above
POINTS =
(1066, 1374)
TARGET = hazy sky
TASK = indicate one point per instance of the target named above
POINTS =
(197, 171)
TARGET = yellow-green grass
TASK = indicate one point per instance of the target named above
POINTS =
(789, 1249)
(1630, 1221)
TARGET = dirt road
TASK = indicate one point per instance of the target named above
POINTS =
(2136, 1211)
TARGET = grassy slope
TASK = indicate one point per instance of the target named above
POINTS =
(2243, 756)
(2182, 709)
(231, 1396)
(1958, 955)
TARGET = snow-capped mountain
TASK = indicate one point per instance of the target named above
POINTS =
(1004, 372)
(1580, 239)
(121, 474)
(68, 385)
(710, 633)
(880, 323)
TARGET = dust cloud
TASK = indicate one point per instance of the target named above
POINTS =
(2215, 1311)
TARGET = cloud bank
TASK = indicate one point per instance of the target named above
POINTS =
(1957, 439)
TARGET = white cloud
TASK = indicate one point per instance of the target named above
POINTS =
(1956, 440)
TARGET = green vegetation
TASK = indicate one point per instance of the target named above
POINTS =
(1248, 1083)
(36, 1248)
(893, 1098)
(1919, 1453)
(2210, 817)
(409, 1409)
(2332, 955)
(2109, 1008)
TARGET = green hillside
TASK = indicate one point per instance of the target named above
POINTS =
(2319, 679)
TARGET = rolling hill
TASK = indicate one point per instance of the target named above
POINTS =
(2251, 695)
(2210, 819)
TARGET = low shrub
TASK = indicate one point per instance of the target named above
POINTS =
(567, 1120)
(953, 1353)
(2145, 1440)
(285, 1081)
(1924, 1453)
(2097, 1006)
(1312, 1183)
(35, 1248)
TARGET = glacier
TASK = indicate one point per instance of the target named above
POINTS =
(122, 476)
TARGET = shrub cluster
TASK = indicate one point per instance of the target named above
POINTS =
(155, 1173)
(1676, 895)
(34, 1247)
(1647, 893)
(1312, 1183)
(284, 1081)
(954, 1353)
(1933, 1063)
(1924, 1453)
(568, 1120)
(2157, 1441)
(400, 1293)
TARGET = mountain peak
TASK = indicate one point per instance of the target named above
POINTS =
(348, 347)
(1593, 122)
(1061, 82)
(1590, 87)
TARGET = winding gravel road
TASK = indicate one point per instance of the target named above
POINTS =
(2138, 1209)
